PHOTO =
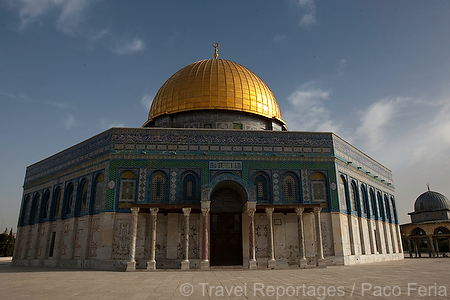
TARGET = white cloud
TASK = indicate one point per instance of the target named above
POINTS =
(309, 18)
(280, 37)
(410, 136)
(98, 35)
(71, 15)
(376, 120)
(60, 105)
(70, 12)
(147, 100)
(434, 135)
(307, 111)
(20, 96)
(70, 122)
(341, 65)
(106, 124)
(128, 46)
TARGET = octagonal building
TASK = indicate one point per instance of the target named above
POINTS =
(213, 178)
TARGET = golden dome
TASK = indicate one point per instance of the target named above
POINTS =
(215, 84)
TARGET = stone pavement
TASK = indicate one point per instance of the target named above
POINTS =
(426, 278)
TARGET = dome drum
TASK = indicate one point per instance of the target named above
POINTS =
(215, 119)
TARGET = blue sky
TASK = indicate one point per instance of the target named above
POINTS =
(376, 73)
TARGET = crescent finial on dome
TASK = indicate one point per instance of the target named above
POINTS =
(216, 54)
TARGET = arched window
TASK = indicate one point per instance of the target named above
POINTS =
(83, 196)
(290, 190)
(318, 187)
(364, 208)
(387, 209)
(343, 192)
(441, 230)
(69, 199)
(45, 204)
(373, 202)
(381, 207)
(56, 210)
(262, 188)
(25, 210)
(353, 196)
(34, 214)
(99, 192)
(393, 210)
(189, 189)
(127, 192)
(418, 231)
(158, 188)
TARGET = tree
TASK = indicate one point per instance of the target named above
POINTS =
(7, 243)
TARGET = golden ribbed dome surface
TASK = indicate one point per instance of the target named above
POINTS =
(215, 84)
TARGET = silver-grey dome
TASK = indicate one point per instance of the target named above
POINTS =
(431, 201)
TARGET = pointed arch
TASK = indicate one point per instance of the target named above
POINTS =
(381, 213)
(46, 205)
(364, 201)
(82, 197)
(56, 203)
(354, 196)
(290, 187)
(34, 213)
(343, 189)
(99, 193)
(261, 181)
(189, 187)
(373, 202)
(319, 187)
(158, 187)
(69, 199)
(25, 210)
(127, 187)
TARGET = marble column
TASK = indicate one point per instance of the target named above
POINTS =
(430, 247)
(151, 264)
(131, 264)
(410, 245)
(185, 262)
(436, 247)
(205, 238)
(251, 239)
(271, 263)
(301, 237)
(419, 251)
(320, 258)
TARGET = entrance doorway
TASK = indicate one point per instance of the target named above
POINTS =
(226, 239)
(226, 228)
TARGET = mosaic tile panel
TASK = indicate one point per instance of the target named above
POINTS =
(305, 186)
(142, 182)
(173, 186)
(276, 187)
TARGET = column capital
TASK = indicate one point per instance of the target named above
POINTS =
(269, 210)
(299, 210)
(186, 211)
(205, 211)
(251, 211)
(154, 211)
(317, 209)
(135, 210)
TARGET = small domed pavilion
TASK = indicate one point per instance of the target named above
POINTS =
(430, 224)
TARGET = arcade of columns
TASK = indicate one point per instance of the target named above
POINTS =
(432, 245)
(205, 210)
